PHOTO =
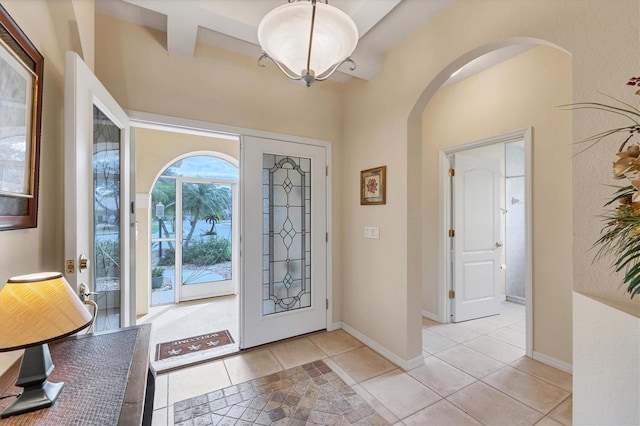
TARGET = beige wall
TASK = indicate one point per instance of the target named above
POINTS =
(382, 124)
(47, 24)
(505, 98)
(220, 87)
(378, 281)
(155, 151)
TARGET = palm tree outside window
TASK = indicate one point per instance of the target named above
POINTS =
(196, 195)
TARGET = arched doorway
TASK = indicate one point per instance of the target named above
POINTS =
(193, 235)
(435, 268)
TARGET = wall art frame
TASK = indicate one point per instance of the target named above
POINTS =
(21, 74)
(373, 186)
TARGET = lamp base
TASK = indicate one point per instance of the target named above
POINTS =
(34, 399)
(38, 391)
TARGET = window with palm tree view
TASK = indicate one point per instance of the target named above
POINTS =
(193, 203)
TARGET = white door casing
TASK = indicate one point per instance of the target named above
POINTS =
(83, 91)
(257, 327)
(476, 246)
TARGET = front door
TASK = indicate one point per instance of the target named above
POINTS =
(98, 218)
(284, 231)
(476, 242)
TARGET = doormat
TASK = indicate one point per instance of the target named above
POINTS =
(192, 345)
(309, 394)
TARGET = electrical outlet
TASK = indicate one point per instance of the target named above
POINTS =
(372, 232)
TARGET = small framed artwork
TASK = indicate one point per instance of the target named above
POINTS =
(373, 186)
(21, 69)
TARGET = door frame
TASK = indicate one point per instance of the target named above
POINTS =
(183, 125)
(445, 222)
(82, 87)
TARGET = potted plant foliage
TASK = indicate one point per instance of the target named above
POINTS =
(157, 277)
(620, 236)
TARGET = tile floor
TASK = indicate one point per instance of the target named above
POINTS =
(194, 318)
(310, 393)
(474, 373)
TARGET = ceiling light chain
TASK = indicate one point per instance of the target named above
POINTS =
(283, 42)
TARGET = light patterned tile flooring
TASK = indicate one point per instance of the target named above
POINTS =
(474, 373)
(311, 393)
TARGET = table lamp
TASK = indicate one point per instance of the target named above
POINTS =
(36, 309)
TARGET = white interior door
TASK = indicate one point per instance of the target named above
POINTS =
(98, 213)
(284, 249)
(476, 245)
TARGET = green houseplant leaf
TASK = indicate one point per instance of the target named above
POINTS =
(620, 236)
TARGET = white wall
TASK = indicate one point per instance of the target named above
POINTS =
(606, 364)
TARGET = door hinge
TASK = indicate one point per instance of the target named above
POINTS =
(327, 237)
(327, 300)
(452, 172)
(452, 294)
(452, 233)
(326, 171)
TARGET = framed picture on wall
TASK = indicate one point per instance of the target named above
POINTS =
(21, 67)
(373, 186)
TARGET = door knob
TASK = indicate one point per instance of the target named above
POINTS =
(499, 244)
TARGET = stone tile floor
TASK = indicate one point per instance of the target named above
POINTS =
(308, 394)
(474, 372)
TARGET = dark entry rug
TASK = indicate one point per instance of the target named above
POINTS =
(192, 345)
(309, 394)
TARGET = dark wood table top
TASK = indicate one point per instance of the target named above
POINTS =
(94, 372)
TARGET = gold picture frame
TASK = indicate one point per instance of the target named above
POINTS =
(373, 186)
(21, 71)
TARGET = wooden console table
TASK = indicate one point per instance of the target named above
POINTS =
(105, 379)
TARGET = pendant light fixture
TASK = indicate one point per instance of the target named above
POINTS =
(307, 39)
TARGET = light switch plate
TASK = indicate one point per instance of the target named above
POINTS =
(372, 232)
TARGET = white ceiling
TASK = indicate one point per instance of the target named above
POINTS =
(233, 25)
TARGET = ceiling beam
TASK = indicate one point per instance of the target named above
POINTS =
(182, 34)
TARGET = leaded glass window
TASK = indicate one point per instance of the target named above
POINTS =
(286, 233)
(106, 220)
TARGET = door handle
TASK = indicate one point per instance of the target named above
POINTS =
(499, 244)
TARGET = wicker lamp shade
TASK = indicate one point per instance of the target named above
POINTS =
(38, 308)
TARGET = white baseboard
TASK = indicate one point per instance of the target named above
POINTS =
(414, 363)
(431, 316)
(335, 326)
(553, 362)
(402, 363)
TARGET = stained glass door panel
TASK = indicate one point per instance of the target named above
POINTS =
(106, 220)
(284, 280)
(286, 233)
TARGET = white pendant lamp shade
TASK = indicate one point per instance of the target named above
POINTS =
(285, 36)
